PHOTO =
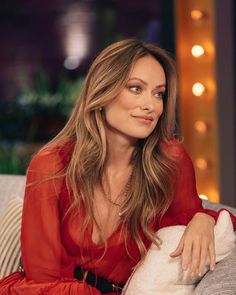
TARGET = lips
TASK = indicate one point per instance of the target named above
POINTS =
(145, 118)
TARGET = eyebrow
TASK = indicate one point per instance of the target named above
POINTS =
(144, 82)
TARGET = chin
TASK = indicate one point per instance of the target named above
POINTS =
(141, 136)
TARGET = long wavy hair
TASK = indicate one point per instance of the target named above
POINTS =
(151, 192)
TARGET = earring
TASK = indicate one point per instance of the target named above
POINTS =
(100, 109)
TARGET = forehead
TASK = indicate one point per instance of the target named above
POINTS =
(148, 67)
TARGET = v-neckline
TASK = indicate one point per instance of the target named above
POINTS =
(109, 238)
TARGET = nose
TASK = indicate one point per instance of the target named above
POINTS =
(147, 103)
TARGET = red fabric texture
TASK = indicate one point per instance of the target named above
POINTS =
(53, 245)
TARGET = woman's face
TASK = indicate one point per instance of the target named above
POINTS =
(134, 113)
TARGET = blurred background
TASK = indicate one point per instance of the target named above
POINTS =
(47, 47)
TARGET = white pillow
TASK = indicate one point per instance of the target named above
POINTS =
(159, 274)
(10, 229)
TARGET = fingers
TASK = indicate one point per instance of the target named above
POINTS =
(194, 254)
(196, 244)
(212, 255)
(178, 251)
(185, 248)
(203, 257)
(199, 258)
(196, 251)
(187, 254)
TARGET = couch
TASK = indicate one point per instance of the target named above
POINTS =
(222, 281)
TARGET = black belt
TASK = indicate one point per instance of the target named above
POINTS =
(103, 285)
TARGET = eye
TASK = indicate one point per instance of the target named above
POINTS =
(135, 88)
(160, 94)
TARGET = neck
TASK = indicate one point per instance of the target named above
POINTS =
(120, 150)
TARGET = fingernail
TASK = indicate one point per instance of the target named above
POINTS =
(192, 274)
(199, 274)
(184, 266)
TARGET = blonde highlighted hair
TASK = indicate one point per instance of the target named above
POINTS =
(151, 192)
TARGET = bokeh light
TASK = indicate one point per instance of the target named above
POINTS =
(201, 164)
(71, 62)
(198, 89)
(203, 197)
(197, 14)
(197, 51)
(200, 126)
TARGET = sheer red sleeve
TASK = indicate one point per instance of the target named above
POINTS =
(44, 258)
(186, 201)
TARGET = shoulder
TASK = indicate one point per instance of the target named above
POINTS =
(177, 152)
(175, 149)
(51, 159)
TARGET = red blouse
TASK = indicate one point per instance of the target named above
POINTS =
(52, 246)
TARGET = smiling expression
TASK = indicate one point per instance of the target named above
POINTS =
(134, 113)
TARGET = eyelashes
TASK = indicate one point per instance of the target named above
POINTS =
(136, 89)
(162, 94)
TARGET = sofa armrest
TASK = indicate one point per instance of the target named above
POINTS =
(217, 206)
(222, 280)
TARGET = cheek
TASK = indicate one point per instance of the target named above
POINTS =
(125, 102)
(113, 112)
(159, 109)
(162, 108)
(121, 103)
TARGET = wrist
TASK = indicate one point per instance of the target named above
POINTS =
(207, 216)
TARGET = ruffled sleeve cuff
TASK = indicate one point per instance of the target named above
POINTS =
(183, 218)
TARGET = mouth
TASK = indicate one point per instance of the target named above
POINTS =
(144, 119)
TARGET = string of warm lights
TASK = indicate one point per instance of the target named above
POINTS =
(198, 89)
(195, 59)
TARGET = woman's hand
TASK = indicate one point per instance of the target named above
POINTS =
(196, 244)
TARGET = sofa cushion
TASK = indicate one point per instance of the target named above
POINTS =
(10, 185)
(161, 274)
(10, 228)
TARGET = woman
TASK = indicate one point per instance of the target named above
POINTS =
(113, 176)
